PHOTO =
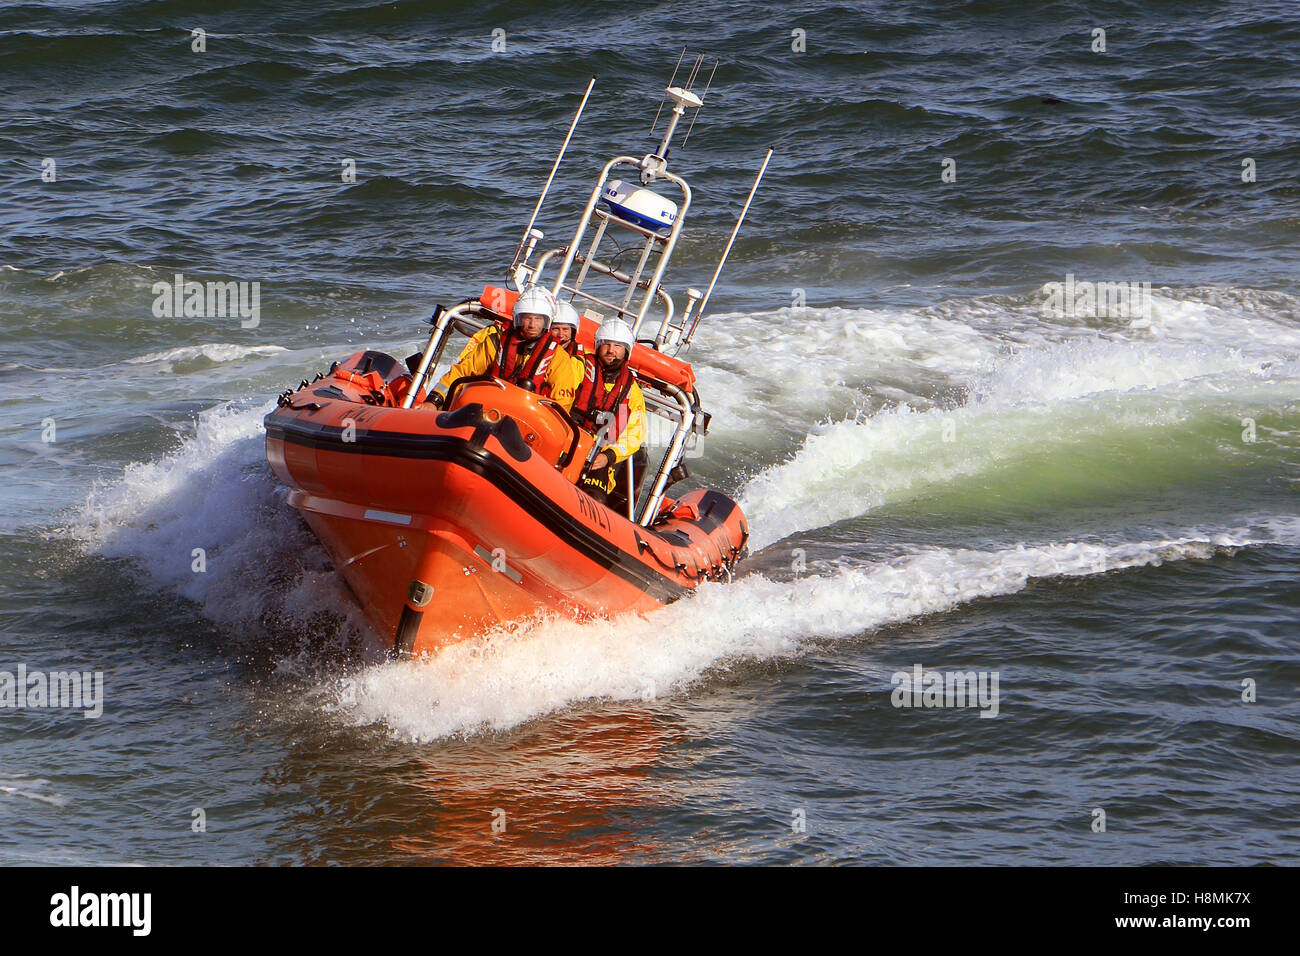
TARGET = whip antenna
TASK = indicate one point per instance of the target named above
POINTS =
(670, 83)
(528, 230)
(702, 96)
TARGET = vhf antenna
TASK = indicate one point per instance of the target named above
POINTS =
(661, 99)
(528, 230)
(683, 97)
(702, 96)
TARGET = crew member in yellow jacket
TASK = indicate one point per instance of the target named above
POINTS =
(609, 404)
(565, 329)
(525, 354)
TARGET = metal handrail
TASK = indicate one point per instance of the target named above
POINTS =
(669, 245)
(672, 456)
(668, 242)
(433, 350)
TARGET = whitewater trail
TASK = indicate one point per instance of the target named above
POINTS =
(214, 352)
(505, 679)
(1071, 406)
(784, 368)
(1051, 396)
(1061, 389)
(215, 490)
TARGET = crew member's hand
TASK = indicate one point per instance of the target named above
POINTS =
(601, 462)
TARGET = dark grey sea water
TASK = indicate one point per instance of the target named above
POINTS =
(941, 467)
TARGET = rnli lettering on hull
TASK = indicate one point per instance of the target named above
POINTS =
(591, 512)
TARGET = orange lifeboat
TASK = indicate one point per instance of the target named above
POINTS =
(448, 522)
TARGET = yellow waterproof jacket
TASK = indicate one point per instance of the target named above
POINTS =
(628, 430)
(562, 377)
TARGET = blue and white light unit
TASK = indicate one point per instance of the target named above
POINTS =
(638, 205)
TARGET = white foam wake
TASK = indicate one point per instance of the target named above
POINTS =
(505, 679)
(215, 498)
(214, 352)
(784, 369)
(1059, 397)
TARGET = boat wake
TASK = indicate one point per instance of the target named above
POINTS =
(989, 418)
(209, 524)
(1091, 413)
(506, 679)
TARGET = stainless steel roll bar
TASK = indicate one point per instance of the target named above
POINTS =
(433, 350)
(672, 457)
(600, 267)
(653, 239)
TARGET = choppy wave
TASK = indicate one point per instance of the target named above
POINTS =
(30, 788)
(215, 352)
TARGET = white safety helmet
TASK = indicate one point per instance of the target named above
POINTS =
(615, 330)
(565, 314)
(538, 300)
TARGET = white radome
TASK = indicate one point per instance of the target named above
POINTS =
(639, 205)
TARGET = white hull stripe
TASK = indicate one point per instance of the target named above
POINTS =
(506, 569)
(389, 516)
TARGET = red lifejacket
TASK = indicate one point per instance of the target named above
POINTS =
(593, 404)
(531, 371)
(574, 349)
